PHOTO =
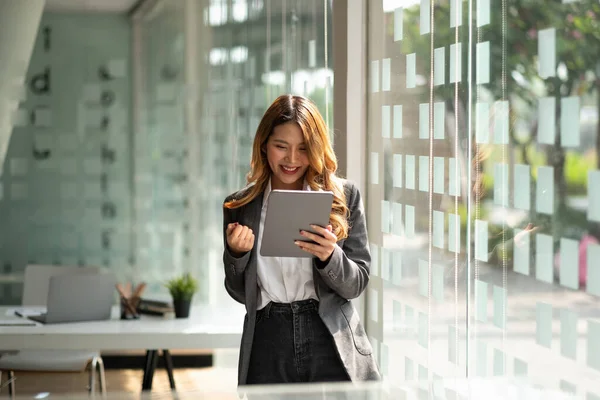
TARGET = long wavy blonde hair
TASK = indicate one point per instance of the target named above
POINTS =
(321, 173)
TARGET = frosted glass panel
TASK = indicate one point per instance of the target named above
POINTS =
(398, 170)
(424, 173)
(437, 284)
(569, 122)
(452, 345)
(481, 240)
(455, 61)
(481, 293)
(593, 345)
(547, 52)
(593, 274)
(499, 363)
(438, 175)
(373, 305)
(375, 76)
(374, 168)
(386, 121)
(409, 221)
(522, 187)
(424, 121)
(453, 177)
(397, 307)
(439, 66)
(568, 334)
(411, 70)
(385, 74)
(544, 324)
(423, 330)
(439, 120)
(397, 122)
(544, 258)
(547, 120)
(423, 278)
(481, 358)
(398, 224)
(410, 172)
(483, 12)
(483, 62)
(594, 196)
(398, 23)
(438, 229)
(501, 185)
(501, 123)
(545, 190)
(454, 233)
(482, 116)
(522, 240)
(409, 369)
(500, 306)
(397, 268)
(425, 23)
(385, 216)
(569, 263)
(456, 13)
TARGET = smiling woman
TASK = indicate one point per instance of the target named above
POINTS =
(295, 305)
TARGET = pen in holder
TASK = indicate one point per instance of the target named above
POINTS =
(128, 301)
(128, 310)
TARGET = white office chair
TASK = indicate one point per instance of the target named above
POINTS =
(35, 293)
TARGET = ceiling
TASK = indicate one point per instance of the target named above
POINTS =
(117, 6)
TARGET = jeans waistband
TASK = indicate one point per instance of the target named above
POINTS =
(291, 308)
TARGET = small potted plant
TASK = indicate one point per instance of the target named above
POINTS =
(182, 290)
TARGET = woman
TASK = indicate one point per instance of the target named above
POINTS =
(300, 325)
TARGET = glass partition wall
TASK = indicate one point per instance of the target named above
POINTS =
(123, 160)
(484, 190)
(209, 70)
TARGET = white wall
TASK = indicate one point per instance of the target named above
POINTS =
(19, 23)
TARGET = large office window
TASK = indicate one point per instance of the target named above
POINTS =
(132, 131)
(484, 190)
(209, 70)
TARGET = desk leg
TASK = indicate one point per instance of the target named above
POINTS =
(11, 384)
(169, 367)
(149, 368)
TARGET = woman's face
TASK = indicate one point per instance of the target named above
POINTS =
(286, 154)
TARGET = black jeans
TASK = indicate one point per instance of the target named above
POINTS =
(292, 345)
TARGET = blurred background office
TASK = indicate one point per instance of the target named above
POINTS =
(134, 120)
(471, 126)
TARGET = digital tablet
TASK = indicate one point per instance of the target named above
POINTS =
(289, 212)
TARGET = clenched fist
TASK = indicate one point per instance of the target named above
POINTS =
(240, 239)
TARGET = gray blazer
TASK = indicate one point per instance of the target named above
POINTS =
(344, 277)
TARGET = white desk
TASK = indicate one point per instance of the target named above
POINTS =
(207, 328)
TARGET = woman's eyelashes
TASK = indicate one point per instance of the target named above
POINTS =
(285, 148)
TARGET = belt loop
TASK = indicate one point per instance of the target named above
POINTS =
(268, 309)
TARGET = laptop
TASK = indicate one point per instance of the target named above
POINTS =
(78, 298)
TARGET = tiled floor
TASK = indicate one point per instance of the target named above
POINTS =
(214, 383)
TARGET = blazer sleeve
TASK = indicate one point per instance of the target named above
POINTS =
(234, 267)
(347, 271)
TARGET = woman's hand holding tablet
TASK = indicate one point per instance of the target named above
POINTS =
(325, 242)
